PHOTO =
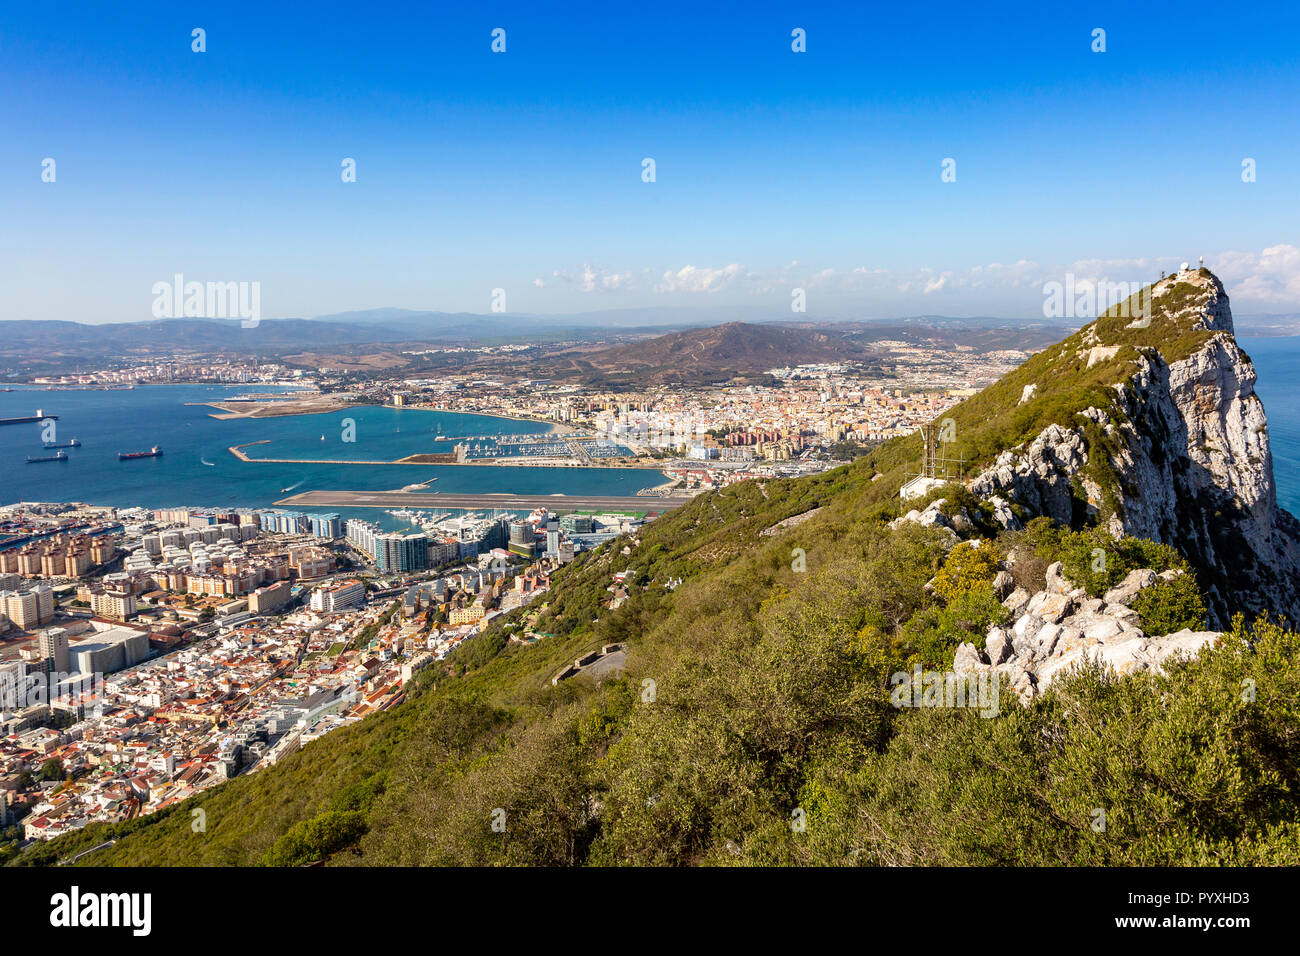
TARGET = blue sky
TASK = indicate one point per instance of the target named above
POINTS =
(522, 170)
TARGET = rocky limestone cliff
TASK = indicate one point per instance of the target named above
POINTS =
(1188, 451)
(1060, 628)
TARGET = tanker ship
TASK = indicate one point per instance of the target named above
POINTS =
(154, 452)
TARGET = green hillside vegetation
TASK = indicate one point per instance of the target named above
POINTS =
(753, 724)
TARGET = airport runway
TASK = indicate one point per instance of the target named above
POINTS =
(434, 500)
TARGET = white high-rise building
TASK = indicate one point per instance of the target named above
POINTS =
(53, 646)
(335, 597)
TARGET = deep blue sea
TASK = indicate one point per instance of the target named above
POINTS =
(107, 422)
(1277, 364)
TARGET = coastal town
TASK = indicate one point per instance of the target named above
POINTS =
(146, 655)
(797, 420)
(149, 653)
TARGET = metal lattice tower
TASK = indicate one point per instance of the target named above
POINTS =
(934, 464)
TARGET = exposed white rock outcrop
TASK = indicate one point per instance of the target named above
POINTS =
(787, 523)
(1190, 450)
(1037, 475)
(1101, 353)
(1003, 514)
(1059, 627)
(933, 517)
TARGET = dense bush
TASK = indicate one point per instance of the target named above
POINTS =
(1169, 606)
(770, 705)
(1095, 561)
(934, 633)
(967, 566)
(315, 839)
(1184, 768)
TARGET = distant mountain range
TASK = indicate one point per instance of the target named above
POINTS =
(709, 354)
(31, 347)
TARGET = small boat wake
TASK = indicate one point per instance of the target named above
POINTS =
(291, 487)
(210, 464)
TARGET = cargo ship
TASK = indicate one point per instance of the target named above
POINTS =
(61, 456)
(154, 452)
(63, 444)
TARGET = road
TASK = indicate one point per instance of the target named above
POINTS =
(507, 502)
(74, 859)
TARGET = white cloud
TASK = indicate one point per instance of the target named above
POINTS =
(1268, 280)
(591, 278)
(702, 279)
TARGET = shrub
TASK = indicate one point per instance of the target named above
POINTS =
(1169, 606)
(315, 839)
(1095, 561)
(968, 566)
(934, 633)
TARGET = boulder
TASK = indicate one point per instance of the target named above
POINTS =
(1045, 641)
(1003, 514)
(1016, 601)
(1127, 590)
(1103, 629)
(1053, 608)
(1057, 582)
(1125, 615)
(1027, 626)
(933, 517)
(966, 659)
(997, 645)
